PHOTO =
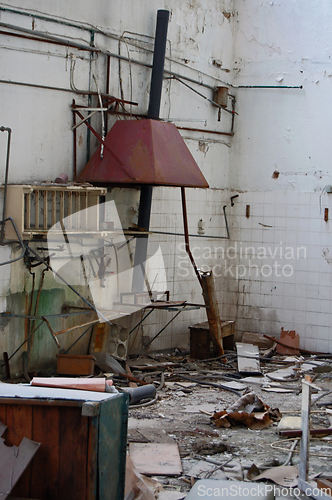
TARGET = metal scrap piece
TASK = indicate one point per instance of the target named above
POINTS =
(13, 462)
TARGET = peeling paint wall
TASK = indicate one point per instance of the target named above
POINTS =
(278, 160)
(280, 165)
(200, 48)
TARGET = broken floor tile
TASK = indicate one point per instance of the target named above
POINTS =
(205, 470)
(156, 458)
(247, 358)
(285, 374)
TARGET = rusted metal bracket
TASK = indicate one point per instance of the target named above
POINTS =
(75, 108)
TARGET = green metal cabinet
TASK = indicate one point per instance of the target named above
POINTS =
(83, 438)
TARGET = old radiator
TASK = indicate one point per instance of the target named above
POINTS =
(36, 208)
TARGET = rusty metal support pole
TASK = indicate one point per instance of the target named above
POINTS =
(303, 482)
(304, 450)
(212, 310)
(186, 234)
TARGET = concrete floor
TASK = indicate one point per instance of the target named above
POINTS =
(180, 415)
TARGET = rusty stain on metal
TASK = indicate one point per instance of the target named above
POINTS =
(212, 310)
(221, 96)
(151, 152)
(113, 157)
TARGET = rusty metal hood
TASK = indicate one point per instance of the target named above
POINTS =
(144, 152)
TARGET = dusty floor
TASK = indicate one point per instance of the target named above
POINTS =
(182, 414)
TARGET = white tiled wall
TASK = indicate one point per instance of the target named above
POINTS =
(300, 298)
(290, 288)
(181, 279)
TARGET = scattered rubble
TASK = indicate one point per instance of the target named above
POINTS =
(196, 420)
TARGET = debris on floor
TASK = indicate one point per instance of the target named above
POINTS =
(205, 470)
(256, 339)
(325, 484)
(288, 374)
(156, 458)
(206, 446)
(291, 342)
(285, 475)
(137, 486)
(289, 423)
(193, 394)
(248, 358)
(192, 419)
(248, 410)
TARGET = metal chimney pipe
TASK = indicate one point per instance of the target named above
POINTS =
(158, 64)
(153, 113)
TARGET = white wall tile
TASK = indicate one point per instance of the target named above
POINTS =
(322, 345)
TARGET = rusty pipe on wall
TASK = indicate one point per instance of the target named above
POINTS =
(153, 112)
(54, 39)
(9, 131)
(186, 234)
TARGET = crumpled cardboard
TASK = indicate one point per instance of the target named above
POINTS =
(248, 410)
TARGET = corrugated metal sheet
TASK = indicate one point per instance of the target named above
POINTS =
(144, 152)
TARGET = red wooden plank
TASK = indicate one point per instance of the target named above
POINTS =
(92, 470)
(73, 454)
(19, 422)
(3, 414)
(45, 466)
